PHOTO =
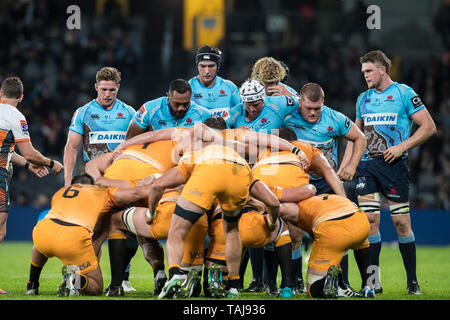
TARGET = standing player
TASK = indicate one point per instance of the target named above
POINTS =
(321, 126)
(100, 126)
(175, 110)
(14, 131)
(259, 112)
(386, 112)
(272, 74)
(209, 90)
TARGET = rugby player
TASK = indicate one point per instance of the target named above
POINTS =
(321, 126)
(209, 90)
(386, 113)
(14, 132)
(99, 126)
(66, 233)
(174, 110)
(336, 225)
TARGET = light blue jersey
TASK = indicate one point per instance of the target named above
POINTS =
(271, 117)
(218, 99)
(155, 114)
(291, 90)
(323, 134)
(386, 117)
(102, 130)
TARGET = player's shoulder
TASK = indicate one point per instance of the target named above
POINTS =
(331, 112)
(230, 84)
(155, 104)
(125, 106)
(402, 88)
(199, 109)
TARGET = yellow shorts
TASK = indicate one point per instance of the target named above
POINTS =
(227, 182)
(194, 242)
(333, 238)
(253, 230)
(282, 175)
(130, 170)
(71, 244)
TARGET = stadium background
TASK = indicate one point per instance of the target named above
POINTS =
(153, 42)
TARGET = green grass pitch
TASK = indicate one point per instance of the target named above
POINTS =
(433, 265)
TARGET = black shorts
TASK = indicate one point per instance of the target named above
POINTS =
(4, 191)
(392, 180)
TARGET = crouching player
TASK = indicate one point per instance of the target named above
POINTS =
(255, 233)
(66, 233)
(336, 225)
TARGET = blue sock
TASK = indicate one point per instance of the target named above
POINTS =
(407, 246)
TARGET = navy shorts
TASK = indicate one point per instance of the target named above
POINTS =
(4, 191)
(392, 180)
(321, 186)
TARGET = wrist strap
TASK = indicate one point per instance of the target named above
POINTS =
(295, 150)
(52, 163)
(27, 164)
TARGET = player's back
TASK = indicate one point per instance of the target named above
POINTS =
(81, 204)
(160, 153)
(320, 208)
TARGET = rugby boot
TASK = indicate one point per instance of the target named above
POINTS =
(160, 280)
(188, 286)
(116, 291)
(271, 289)
(69, 282)
(286, 292)
(331, 285)
(32, 288)
(172, 286)
(215, 287)
(232, 293)
(413, 288)
(255, 286)
(366, 292)
(127, 287)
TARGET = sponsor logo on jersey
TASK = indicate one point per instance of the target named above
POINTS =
(380, 118)
(95, 116)
(416, 101)
(198, 95)
(24, 126)
(140, 114)
(220, 112)
(107, 136)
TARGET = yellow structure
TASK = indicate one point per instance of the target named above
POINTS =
(204, 23)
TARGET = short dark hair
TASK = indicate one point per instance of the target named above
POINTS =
(377, 56)
(216, 122)
(180, 86)
(286, 134)
(286, 68)
(312, 91)
(12, 87)
(82, 178)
